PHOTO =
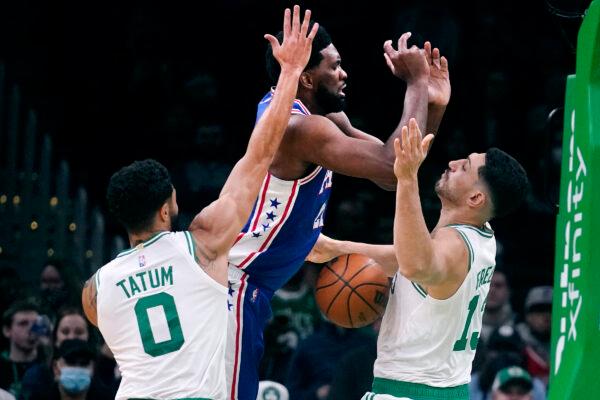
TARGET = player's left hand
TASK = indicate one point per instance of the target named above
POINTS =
(439, 76)
(411, 152)
(294, 52)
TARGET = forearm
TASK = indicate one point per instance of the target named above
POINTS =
(435, 113)
(341, 120)
(415, 106)
(412, 242)
(269, 130)
(382, 254)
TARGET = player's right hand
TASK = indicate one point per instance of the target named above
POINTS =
(294, 53)
(410, 65)
(325, 249)
(411, 151)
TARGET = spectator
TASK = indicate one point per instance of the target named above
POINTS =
(498, 310)
(269, 390)
(39, 378)
(72, 368)
(4, 395)
(314, 362)
(505, 348)
(59, 287)
(22, 353)
(353, 375)
(512, 383)
(70, 324)
(295, 316)
(535, 331)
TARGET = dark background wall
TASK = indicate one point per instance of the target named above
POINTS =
(116, 81)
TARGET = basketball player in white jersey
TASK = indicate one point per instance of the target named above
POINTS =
(161, 306)
(441, 279)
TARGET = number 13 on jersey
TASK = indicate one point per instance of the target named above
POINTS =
(461, 344)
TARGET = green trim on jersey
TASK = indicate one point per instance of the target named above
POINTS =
(469, 248)
(97, 279)
(147, 243)
(418, 391)
(485, 232)
(188, 239)
(420, 289)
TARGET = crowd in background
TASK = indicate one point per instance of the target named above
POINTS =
(50, 351)
(181, 84)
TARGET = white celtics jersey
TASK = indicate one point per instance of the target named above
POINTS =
(429, 341)
(165, 321)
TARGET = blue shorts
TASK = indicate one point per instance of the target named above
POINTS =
(249, 311)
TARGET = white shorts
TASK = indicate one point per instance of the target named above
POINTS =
(375, 396)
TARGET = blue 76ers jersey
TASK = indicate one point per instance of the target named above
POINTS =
(285, 223)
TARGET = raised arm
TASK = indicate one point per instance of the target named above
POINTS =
(431, 260)
(334, 144)
(438, 89)
(217, 226)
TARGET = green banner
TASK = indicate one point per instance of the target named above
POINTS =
(575, 369)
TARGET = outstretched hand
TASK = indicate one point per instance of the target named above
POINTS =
(439, 77)
(294, 52)
(411, 152)
(407, 64)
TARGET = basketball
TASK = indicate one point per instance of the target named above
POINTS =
(352, 291)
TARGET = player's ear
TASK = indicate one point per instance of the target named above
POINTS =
(477, 199)
(164, 212)
(306, 80)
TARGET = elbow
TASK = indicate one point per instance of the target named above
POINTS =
(387, 180)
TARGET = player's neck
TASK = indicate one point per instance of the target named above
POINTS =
(308, 99)
(141, 237)
(458, 216)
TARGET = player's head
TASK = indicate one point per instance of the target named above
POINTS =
(323, 75)
(142, 197)
(491, 184)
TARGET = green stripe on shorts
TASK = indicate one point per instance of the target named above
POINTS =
(417, 391)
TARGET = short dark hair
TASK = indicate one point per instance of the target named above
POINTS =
(321, 40)
(137, 191)
(16, 307)
(506, 180)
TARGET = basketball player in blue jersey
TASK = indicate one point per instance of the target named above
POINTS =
(289, 210)
(161, 305)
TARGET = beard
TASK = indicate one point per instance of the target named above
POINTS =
(175, 223)
(329, 102)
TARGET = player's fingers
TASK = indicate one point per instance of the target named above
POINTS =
(402, 42)
(287, 25)
(405, 142)
(426, 144)
(444, 63)
(436, 57)
(397, 147)
(388, 48)
(272, 41)
(313, 31)
(427, 48)
(296, 21)
(389, 62)
(414, 135)
(305, 23)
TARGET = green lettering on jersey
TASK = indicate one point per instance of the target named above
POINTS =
(154, 278)
(141, 276)
(121, 284)
(166, 276)
(133, 286)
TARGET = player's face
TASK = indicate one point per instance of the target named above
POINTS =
(459, 179)
(330, 81)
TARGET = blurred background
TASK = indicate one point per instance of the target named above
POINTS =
(86, 88)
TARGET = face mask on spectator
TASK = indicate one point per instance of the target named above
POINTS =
(75, 380)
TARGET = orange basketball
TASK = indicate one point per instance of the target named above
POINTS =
(352, 291)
